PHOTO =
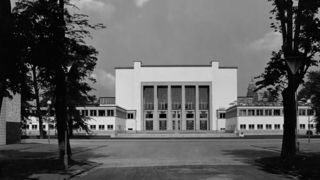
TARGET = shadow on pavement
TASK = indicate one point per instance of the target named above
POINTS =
(304, 166)
(22, 164)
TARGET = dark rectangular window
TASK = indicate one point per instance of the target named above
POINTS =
(203, 125)
(93, 113)
(189, 115)
(222, 115)
(251, 112)
(259, 112)
(110, 126)
(84, 112)
(302, 126)
(276, 112)
(149, 125)
(242, 126)
(93, 127)
(149, 115)
(34, 126)
(162, 116)
(110, 112)
(251, 126)
(260, 126)
(268, 112)
(203, 115)
(101, 127)
(190, 125)
(277, 126)
(102, 113)
(130, 116)
(268, 126)
(162, 125)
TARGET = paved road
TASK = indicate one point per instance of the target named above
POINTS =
(181, 159)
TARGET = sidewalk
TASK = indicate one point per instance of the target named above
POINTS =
(38, 161)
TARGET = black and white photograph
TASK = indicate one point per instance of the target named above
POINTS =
(160, 89)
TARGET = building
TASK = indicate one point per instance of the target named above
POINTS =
(265, 119)
(175, 98)
(106, 118)
(10, 119)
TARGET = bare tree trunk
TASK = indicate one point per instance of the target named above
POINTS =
(36, 91)
(289, 141)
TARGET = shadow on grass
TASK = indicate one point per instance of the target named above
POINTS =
(21, 164)
(306, 166)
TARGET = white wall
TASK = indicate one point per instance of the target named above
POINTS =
(128, 84)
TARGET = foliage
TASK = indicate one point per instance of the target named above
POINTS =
(311, 90)
(36, 28)
(304, 43)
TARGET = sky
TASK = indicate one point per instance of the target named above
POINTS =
(180, 32)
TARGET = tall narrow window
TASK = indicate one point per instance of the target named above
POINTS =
(148, 97)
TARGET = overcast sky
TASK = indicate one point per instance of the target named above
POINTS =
(179, 32)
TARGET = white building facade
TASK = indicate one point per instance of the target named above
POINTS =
(266, 120)
(175, 98)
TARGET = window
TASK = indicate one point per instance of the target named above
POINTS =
(34, 126)
(93, 127)
(203, 125)
(27, 126)
(251, 126)
(173, 114)
(189, 115)
(149, 115)
(162, 125)
(310, 112)
(101, 127)
(302, 112)
(250, 112)
(190, 125)
(268, 126)
(311, 126)
(130, 116)
(277, 126)
(84, 112)
(43, 126)
(162, 116)
(110, 113)
(242, 126)
(93, 113)
(102, 113)
(276, 112)
(149, 125)
(110, 126)
(242, 112)
(221, 115)
(51, 126)
(302, 126)
(259, 112)
(130, 129)
(268, 112)
(205, 115)
(260, 126)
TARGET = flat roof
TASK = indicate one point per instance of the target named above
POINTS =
(220, 67)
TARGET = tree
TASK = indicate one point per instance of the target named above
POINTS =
(299, 25)
(54, 40)
(8, 72)
(311, 90)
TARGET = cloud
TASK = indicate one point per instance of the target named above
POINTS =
(95, 6)
(141, 3)
(270, 41)
(104, 78)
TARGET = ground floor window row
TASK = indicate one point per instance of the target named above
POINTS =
(100, 127)
(51, 126)
(271, 126)
(176, 125)
(175, 114)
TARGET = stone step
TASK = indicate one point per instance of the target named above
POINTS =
(171, 135)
